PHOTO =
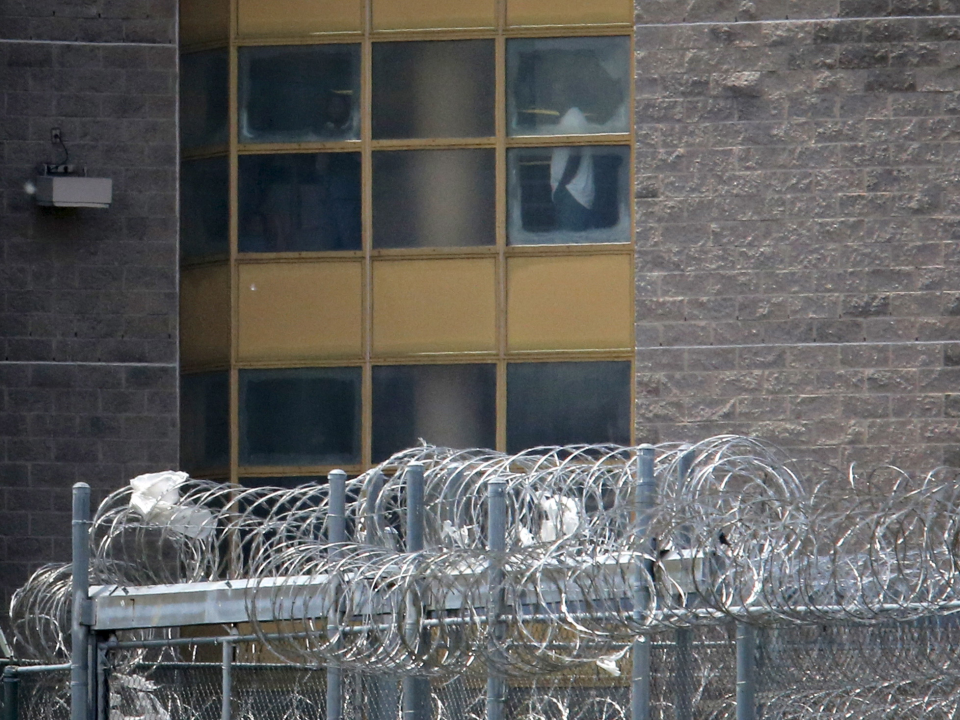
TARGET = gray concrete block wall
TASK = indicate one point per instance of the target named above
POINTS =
(798, 226)
(88, 298)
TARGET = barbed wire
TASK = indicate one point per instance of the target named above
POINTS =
(741, 533)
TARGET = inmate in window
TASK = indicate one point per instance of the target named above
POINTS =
(569, 195)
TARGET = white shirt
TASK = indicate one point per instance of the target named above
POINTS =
(581, 186)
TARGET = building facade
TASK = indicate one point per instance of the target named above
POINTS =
(489, 223)
(88, 321)
(797, 219)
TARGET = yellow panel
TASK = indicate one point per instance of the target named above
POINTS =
(300, 311)
(434, 306)
(424, 14)
(277, 18)
(204, 21)
(568, 12)
(205, 315)
(573, 302)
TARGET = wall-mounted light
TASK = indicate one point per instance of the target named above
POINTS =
(65, 185)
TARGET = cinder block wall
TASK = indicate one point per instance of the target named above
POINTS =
(797, 206)
(88, 298)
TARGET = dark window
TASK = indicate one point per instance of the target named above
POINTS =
(282, 481)
(204, 421)
(565, 403)
(568, 86)
(300, 417)
(300, 202)
(446, 405)
(204, 207)
(568, 195)
(204, 97)
(290, 94)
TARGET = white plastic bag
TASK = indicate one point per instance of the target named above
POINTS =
(156, 496)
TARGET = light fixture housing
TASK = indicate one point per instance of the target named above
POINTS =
(68, 186)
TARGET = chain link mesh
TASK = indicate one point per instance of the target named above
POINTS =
(850, 671)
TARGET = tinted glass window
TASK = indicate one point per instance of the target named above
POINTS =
(300, 417)
(568, 195)
(434, 198)
(433, 89)
(204, 421)
(290, 94)
(447, 405)
(300, 202)
(204, 207)
(568, 86)
(567, 403)
(281, 481)
(204, 87)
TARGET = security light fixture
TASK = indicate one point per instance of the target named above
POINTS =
(66, 185)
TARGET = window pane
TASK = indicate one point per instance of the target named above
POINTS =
(447, 405)
(290, 94)
(567, 403)
(433, 89)
(433, 198)
(568, 86)
(204, 207)
(204, 84)
(300, 417)
(281, 481)
(204, 421)
(299, 202)
(566, 195)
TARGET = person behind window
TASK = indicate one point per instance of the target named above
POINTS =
(572, 179)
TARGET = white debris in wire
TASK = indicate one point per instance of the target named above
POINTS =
(743, 534)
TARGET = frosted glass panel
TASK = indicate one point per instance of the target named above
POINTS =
(300, 417)
(433, 198)
(300, 202)
(204, 421)
(204, 86)
(290, 94)
(567, 403)
(568, 86)
(204, 207)
(568, 195)
(433, 89)
(446, 405)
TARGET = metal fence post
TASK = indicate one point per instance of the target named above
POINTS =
(746, 672)
(383, 697)
(416, 690)
(497, 545)
(336, 533)
(11, 693)
(226, 681)
(102, 703)
(683, 674)
(645, 500)
(80, 629)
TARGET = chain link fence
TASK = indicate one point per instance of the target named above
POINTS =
(896, 670)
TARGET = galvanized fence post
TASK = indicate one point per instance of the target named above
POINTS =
(416, 690)
(383, 697)
(226, 680)
(80, 629)
(683, 675)
(746, 672)
(336, 533)
(497, 545)
(643, 579)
